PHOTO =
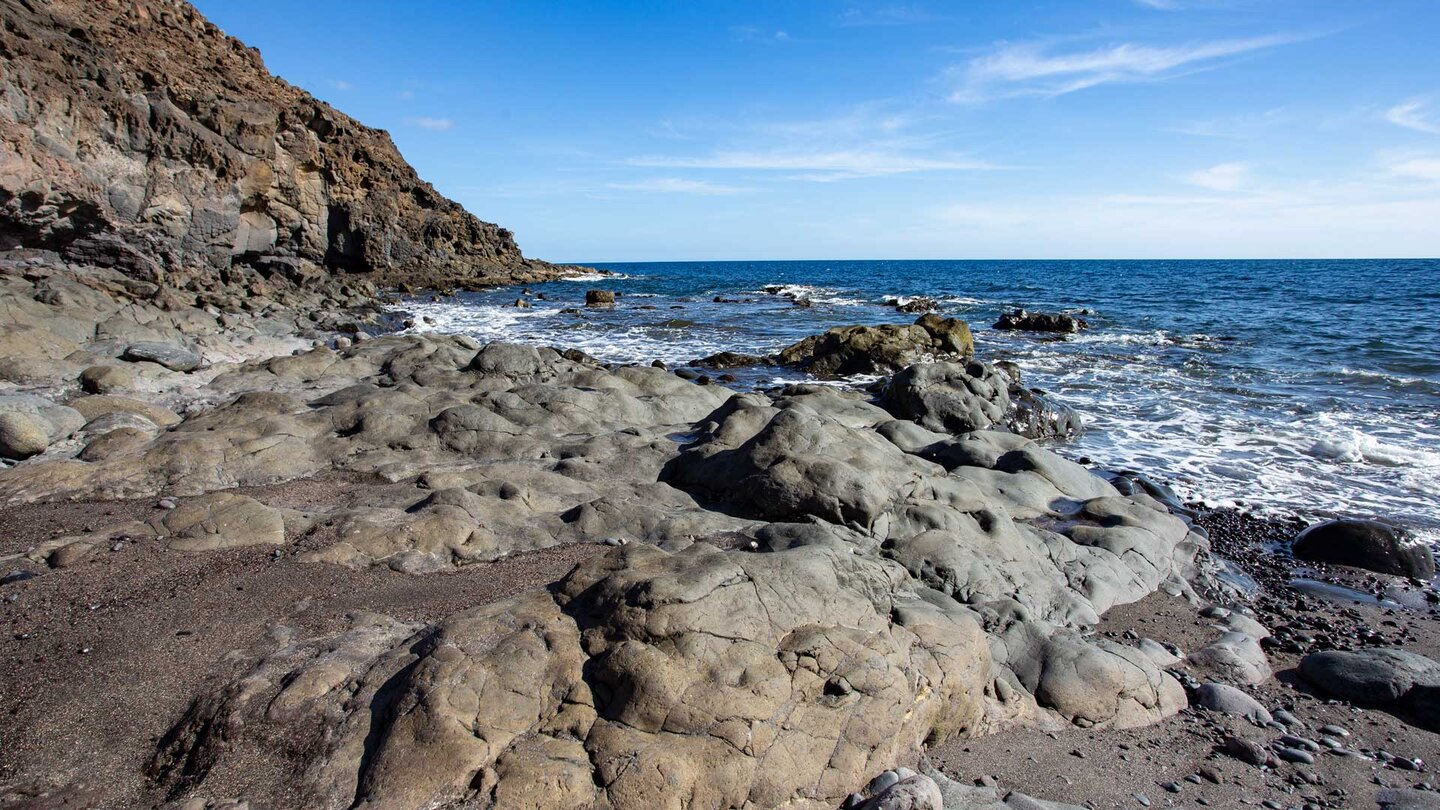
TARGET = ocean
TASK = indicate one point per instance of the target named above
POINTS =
(1298, 387)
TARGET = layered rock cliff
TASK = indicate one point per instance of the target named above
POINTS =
(136, 134)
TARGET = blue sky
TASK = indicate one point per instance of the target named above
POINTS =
(736, 130)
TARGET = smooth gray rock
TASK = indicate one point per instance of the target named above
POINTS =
(1382, 676)
(1366, 544)
(1227, 699)
(169, 355)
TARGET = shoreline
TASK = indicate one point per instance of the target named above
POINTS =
(109, 564)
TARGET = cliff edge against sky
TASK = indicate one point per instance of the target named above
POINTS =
(139, 135)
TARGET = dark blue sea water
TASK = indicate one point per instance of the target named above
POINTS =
(1303, 386)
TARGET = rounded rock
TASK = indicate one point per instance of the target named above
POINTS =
(21, 436)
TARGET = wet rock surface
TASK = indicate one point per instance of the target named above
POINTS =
(1367, 544)
(1026, 321)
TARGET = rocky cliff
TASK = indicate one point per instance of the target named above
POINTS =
(136, 134)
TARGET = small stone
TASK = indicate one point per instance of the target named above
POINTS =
(1172, 787)
(1142, 799)
(165, 503)
(1334, 730)
(1294, 755)
(18, 575)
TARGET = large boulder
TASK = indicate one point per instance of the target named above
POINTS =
(879, 349)
(964, 397)
(21, 436)
(1367, 544)
(1379, 676)
(949, 397)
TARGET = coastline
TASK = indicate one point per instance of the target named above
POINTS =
(97, 602)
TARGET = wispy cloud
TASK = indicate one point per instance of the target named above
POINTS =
(750, 33)
(341, 84)
(426, 122)
(1221, 177)
(1034, 69)
(1413, 114)
(1412, 166)
(680, 185)
(884, 15)
(1241, 126)
(819, 166)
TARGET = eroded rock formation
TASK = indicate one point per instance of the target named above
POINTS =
(138, 135)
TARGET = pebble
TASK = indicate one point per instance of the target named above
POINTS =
(1194, 779)
(1302, 743)
(1172, 787)
(166, 503)
(1294, 755)
(18, 575)
(1406, 764)
(1287, 718)
(118, 547)
(1334, 730)
(1142, 799)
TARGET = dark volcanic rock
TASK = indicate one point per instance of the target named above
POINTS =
(1366, 544)
(724, 360)
(596, 298)
(1379, 676)
(1026, 321)
(137, 135)
(880, 349)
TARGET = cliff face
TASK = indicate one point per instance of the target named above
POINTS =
(136, 134)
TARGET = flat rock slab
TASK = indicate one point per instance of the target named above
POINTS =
(222, 520)
(169, 355)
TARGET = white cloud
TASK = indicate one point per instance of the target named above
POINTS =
(819, 166)
(426, 122)
(1414, 167)
(1412, 115)
(680, 185)
(1221, 177)
(1031, 69)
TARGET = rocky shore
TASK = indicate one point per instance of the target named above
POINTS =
(259, 551)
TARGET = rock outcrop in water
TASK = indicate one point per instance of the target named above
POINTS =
(137, 135)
